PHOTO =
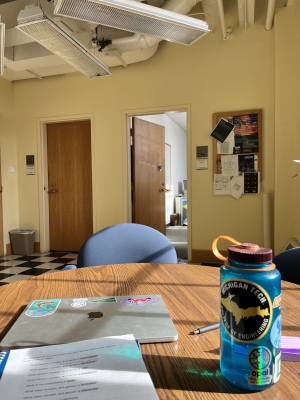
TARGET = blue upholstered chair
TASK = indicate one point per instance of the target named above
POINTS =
(124, 244)
(288, 264)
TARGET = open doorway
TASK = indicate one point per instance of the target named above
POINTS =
(175, 177)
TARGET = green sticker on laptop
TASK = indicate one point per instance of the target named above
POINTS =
(105, 300)
(42, 308)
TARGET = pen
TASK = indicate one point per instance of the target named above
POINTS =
(207, 328)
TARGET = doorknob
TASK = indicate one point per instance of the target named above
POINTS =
(52, 186)
(164, 190)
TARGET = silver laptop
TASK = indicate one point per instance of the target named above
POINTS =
(55, 321)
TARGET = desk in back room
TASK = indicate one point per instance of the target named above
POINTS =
(189, 367)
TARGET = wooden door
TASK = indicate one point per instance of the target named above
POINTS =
(69, 184)
(148, 174)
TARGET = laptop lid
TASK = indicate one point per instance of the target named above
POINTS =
(55, 321)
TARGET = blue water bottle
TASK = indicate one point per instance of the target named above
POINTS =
(250, 321)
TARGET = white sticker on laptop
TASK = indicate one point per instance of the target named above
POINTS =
(42, 308)
(77, 303)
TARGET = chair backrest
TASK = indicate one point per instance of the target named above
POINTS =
(126, 243)
(288, 264)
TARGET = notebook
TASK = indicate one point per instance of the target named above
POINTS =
(55, 321)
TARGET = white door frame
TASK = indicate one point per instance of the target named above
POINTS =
(126, 115)
(42, 165)
(168, 180)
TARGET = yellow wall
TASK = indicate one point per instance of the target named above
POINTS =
(296, 154)
(210, 76)
(285, 126)
(8, 158)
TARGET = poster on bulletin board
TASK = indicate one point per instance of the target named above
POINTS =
(245, 142)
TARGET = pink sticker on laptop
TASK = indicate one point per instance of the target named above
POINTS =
(129, 301)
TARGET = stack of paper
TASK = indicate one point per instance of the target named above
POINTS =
(290, 348)
(107, 368)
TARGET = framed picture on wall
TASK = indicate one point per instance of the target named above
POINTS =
(245, 141)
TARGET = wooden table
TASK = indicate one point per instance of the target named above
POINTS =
(189, 367)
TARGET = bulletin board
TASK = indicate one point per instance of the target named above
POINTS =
(247, 135)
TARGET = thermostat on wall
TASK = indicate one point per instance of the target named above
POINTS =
(202, 157)
(30, 165)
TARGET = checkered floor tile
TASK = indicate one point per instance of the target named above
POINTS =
(16, 267)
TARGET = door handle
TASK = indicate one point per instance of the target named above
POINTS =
(164, 190)
(52, 191)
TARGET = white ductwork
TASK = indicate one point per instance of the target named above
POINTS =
(210, 7)
(141, 42)
(179, 6)
(134, 42)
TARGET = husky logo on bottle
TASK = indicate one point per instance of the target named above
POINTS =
(246, 310)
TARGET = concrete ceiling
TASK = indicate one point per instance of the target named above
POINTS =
(5, 1)
(24, 58)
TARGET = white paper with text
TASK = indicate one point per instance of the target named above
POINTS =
(106, 368)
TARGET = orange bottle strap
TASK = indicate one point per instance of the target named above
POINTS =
(216, 251)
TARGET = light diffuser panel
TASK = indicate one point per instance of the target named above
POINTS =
(136, 17)
(60, 43)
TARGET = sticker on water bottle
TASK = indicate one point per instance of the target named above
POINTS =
(277, 367)
(260, 359)
(276, 332)
(246, 310)
(277, 301)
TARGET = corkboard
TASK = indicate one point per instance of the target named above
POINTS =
(248, 126)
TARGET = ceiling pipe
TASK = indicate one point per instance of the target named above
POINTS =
(246, 16)
(270, 14)
(226, 32)
(246, 10)
(241, 12)
(250, 11)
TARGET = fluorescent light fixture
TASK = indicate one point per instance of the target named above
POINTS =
(32, 22)
(2, 45)
(136, 17)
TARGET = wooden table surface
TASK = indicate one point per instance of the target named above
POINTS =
(185, 369)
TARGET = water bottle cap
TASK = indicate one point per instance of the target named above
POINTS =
(250, 246)
(249, 253)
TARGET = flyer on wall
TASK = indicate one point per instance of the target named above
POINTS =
(246, 133)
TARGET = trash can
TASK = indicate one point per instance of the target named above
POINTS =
(22, 241)
(174, 219)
